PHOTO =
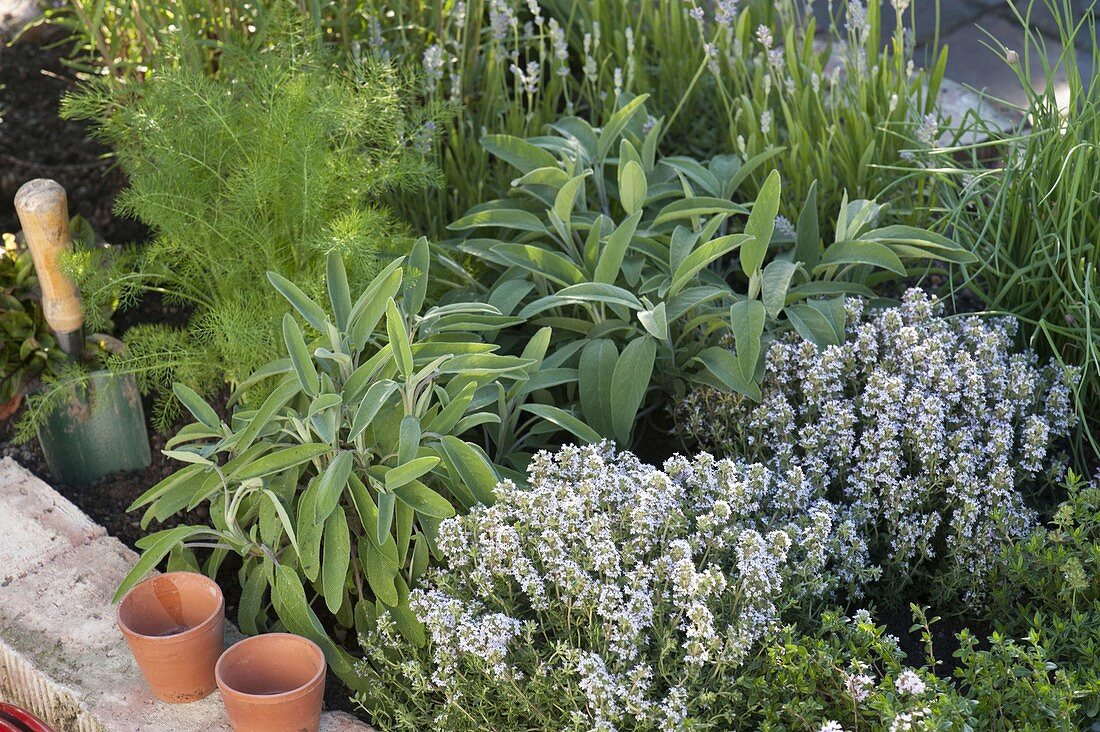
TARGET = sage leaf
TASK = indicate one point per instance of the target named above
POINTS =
(629, 383)
(424, 500)
(280, 460)
(197, 406)
(299, 356)
(761, 224)
(337, 559)
(402, 474)
(313, 313)
(331, 485)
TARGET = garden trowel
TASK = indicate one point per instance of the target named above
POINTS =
(99, 427)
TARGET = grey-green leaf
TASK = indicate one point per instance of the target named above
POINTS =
(518, 152)
(747, 322)
(611, 258)
(330, 486)
(424, 500)
(399, 339)
(761, 224)
(373, 400)
(337, 559)
(471, 468)
(633, 188)
(299, 356)
(339, 293)
(629, 384)
(279, 460)
(402, 474)
(776, 282)
(597, 366)
(311, 311)
(196, 405)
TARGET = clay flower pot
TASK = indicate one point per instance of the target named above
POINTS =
(273, 683)
(175, 625)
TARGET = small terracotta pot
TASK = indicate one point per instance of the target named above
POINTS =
(175, 625)
(273, 683)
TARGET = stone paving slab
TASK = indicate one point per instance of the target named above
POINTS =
(14, 15)
(971, 61)
(46, 525)
(61, 654)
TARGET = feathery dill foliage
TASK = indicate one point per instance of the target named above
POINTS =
(279, 160)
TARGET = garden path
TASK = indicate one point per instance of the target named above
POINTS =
(969, 27)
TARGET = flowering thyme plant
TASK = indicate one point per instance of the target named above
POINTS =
(627, 595)
(926, 432)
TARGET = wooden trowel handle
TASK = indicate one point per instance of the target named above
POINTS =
(44, 214)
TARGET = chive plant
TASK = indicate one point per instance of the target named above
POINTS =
(1034, 216)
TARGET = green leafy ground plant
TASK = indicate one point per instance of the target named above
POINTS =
(31, 364)
(27, 347)
(332, 489)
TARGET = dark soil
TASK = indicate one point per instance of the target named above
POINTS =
(36, 143)
(898, 621)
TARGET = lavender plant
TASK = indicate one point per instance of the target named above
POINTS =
(746, 78)
(624, 593)
(929, 433)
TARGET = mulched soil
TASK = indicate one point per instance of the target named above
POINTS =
(35, 143)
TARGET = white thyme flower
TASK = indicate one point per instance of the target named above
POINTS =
(908, 682)
(919, 435)
(909, 721)
(671, 572)
(859, 686)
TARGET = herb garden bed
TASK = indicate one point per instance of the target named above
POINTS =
(626, 367)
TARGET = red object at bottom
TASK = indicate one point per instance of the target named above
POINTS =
(14, 719)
